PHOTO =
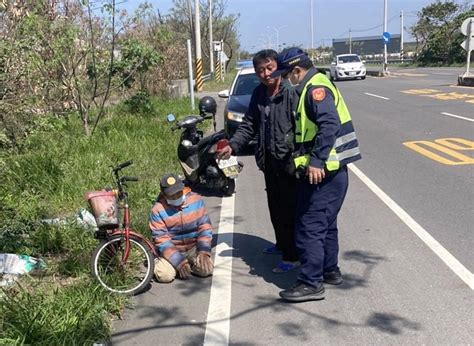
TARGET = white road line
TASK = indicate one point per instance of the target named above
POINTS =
(457, 116)
(380, 97)
(460, 86)
(456, 266)
(218, 314)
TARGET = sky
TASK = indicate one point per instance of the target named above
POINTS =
(261, 21)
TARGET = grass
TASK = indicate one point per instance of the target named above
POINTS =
(43, 315)
(214, 85)
(48, 179)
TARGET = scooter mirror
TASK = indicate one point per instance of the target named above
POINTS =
(170, 118)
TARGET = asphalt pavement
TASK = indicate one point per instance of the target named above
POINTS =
(406, 238)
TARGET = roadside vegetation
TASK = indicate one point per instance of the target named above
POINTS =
(437, 33)
(83, 86)
(62, 304)
(219, 85)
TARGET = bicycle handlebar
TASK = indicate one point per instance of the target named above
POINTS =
(123, 165)
(127, 178)
(120, 181)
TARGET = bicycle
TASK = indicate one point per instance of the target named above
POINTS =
(124, 260)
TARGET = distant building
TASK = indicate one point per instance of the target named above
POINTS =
(366, 46)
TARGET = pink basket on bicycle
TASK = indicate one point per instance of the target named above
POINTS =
(104, 207)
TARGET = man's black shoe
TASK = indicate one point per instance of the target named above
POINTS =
(302, 292)
(333, 278)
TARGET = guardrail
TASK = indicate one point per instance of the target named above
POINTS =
(376, 73)
(389, 62)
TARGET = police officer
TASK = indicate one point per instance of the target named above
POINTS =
(325, 144)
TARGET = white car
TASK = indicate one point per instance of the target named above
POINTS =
(347, 66)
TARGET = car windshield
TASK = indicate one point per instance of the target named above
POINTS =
(348, 58)
(245, 84)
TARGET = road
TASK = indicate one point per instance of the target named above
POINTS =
(406, 238)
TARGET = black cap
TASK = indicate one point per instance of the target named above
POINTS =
(289, 58)
(170, 184)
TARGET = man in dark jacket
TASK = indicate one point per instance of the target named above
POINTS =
(270, 118)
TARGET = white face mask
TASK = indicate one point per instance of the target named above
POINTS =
(293, 84)
(176, 202)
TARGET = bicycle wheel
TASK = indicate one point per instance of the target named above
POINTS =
(129, 278)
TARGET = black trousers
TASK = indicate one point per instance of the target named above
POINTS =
(281, 197)
(316, 225)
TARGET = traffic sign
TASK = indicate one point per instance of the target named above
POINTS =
(217, 46)
(223, 57)
(386, 37)
(467, 28)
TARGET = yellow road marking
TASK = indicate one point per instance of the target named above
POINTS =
(463, 144)
(439, 95)
(446, 146)
(451, 96)
(420, 91)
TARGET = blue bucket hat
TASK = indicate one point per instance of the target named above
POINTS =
(289, 58)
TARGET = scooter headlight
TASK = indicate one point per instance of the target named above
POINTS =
(186, 143)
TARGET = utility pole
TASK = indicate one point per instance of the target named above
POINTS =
(385, 43)
(190, 73)
(199, 79)
(211, 47)
(350, 41)
(312, 32)
(401, 36)
(191, 21)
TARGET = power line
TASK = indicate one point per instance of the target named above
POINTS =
(375, 27)
(372, 28)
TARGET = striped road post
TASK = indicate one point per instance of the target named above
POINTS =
(218, 70)
(199, 79)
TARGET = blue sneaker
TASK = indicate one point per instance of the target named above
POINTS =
(272, 250)
(285, 266)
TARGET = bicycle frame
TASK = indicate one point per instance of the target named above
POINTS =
(125, 231)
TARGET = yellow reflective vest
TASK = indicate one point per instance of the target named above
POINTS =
(346, 147)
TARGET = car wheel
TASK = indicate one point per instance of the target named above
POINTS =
(363, 77)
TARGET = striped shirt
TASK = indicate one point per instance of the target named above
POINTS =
(178, 229)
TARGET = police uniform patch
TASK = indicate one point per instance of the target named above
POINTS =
(171, 181)
(319, 94)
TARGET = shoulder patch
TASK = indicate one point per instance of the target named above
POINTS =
(319, 94)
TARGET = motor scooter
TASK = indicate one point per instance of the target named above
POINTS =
(198, 155)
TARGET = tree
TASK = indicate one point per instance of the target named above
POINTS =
(181, 19)
(60, 58)
(437, 32)
(35, 39)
